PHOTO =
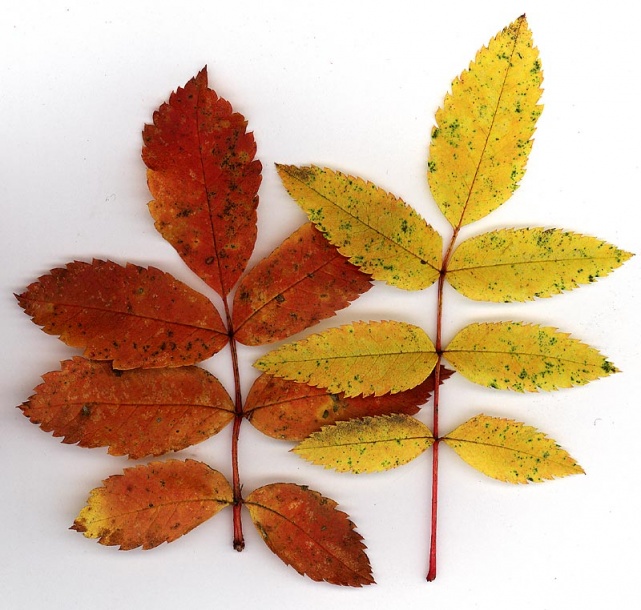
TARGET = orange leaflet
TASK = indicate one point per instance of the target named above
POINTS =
(141, 412)
(151, 504)
(204, 180)
(292, 411)
(307, 532)
(134, 316)
(302, 282)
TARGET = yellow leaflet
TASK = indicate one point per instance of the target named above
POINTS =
(480, 145)
(521, 264)
(361, 358)
(370, 444)
(378, 232)
(510, 451)
(524, 357)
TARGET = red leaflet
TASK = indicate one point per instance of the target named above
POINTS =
(141, 412)
(134, 316)
(168, 499)
(204, 179)
(292, 411)
(307, 532)
(302, 282)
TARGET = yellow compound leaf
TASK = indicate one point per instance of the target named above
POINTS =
(361, 358)
(379, 233)
(524, 357)
(370, 444)
(480, 145)
(521, 264)
(510, 451)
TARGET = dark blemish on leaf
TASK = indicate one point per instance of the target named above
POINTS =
(279, 298)
(608, 367)
(209, 260)
(85, 411)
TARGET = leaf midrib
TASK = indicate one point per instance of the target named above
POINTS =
(123, 313)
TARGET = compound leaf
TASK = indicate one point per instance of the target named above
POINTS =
(302, 282)
(306, 531)
(378, 232)
(140, 412)
(361, 358)
(204, 180)
(510, 451)
(483, 132)
(151, 504)
(134, 316)
(521, 264)
(292, 411)
(370, 444)
(524, 357)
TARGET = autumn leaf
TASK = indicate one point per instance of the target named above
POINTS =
(378, 232)
(361, 358)
(306, 531)
(140, 412)
(292, 411)
(134, 316)
(521, 264)
(483, 132)
(524, 357)
(370, 444)
(302, 282)
(510, 451)
(204, 180)
(151, 504)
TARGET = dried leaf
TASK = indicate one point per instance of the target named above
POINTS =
(151, 504)
(302, 282)
(510, 451)
(307, 532)
(361, 358)
(524, 357)
(134, 316)
(141, 412)
(204, 179)
(292, 411)
(483, 135)
(378, 232)
(370, 444)
(521, 264)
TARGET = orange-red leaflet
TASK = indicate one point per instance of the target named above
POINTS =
(134, 316)
(302, 282)
(140, 412)
(292, 411)
(204, 180)
(151, 504)
(307, 532)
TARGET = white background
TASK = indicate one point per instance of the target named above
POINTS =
(350, 85)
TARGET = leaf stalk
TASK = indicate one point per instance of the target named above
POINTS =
(239, 540)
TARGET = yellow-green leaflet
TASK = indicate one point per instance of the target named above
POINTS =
(510, 451)
(521, 264)
(482, 139)
(367, 445)
(361, 358)
(377, 231)
(524, 357)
